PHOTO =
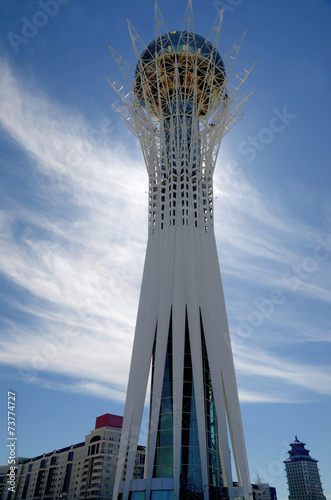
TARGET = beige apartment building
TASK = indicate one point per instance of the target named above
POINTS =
(81, 471)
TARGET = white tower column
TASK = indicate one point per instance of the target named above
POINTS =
(180, 104)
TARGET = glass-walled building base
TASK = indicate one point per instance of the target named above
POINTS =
(163, 489)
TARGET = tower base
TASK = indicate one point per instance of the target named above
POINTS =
(163, 489)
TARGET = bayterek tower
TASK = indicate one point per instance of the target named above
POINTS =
(180, 101)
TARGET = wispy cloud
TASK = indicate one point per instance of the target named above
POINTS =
(78, 271)
(75, 254)
(262, 365)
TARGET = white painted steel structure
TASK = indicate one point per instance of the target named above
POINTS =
(180, 105)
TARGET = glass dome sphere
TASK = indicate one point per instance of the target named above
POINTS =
(181, 64)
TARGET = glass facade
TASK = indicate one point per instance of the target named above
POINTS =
(178, 41)
(163, 461)
(213, 454)
(162, 495)
(137, 495)
(177, 64)
(191, 468)
(191, 476)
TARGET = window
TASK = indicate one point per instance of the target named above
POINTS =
(137, 495)
(162, 495)
(95, 438)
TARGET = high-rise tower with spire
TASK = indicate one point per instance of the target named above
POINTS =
(180, 101)
(302, 473)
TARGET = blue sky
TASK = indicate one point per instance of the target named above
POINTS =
(73, 220)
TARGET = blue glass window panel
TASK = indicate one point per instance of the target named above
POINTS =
(212, 441)
(165, 421)
(166, 390)
(137, 495)
(164, 438)
(191, 470)
(212, 425)
(190, 438)
(164, 455)
(194, 474)
(166, 405)
(163, 471)
(214, 466)
(186, 404)
(190, 421)
(213, 459)
(214, 477)
(190, 455)
(163, 460)
(167, 369)
(162, 495)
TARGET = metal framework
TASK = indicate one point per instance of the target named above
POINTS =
(179, 101)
